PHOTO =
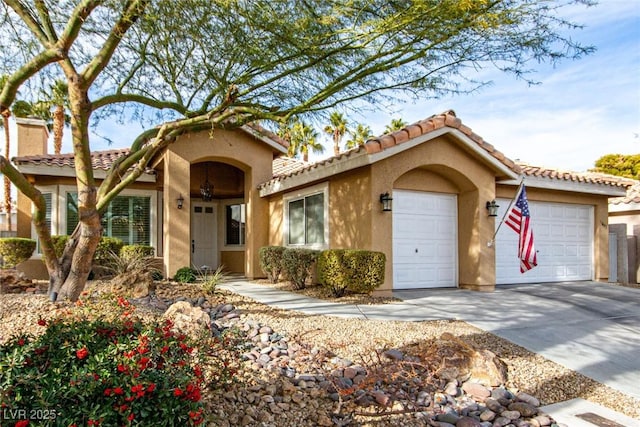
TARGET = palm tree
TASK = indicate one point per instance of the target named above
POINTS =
(396, 124)
(359, 136)
(337, 129)
(304, 138)
(59, 100)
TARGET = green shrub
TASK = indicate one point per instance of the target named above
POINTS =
(59, 242)
(14, 250)
(133, 261)
(112, 370)
(298, 264)
(106, 247)
(354, 270)
(271, 261)
(185, 275)
(137, 251)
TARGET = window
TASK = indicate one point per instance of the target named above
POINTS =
(127, 217)
(48, 200)
(306, 220)
(235, 223)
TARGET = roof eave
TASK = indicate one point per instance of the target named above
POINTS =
(564, 185)
(269, 141)
(68, 171)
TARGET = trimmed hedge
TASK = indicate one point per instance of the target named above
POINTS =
(271, 261)
(15, 250)
(59, 242)
(357, 271)
(106, 247)
(298, 264)
(137, 251)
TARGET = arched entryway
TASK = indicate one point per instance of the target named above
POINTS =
(217, 216)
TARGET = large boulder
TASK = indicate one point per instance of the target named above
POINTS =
(13, 281)
(134, 284)
(188, 319)
(453, 359)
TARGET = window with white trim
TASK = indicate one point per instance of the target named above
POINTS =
(127, 217)
(235, 224)
(306, 219)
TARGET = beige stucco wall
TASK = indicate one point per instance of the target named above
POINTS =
(630, 218)
(443, 166)
(600, 219)
(236, 148)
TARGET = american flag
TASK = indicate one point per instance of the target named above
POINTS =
(519, 220)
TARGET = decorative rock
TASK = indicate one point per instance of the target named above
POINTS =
(501, 422)
(494, 405)
(448, 417)
(524, 409)
(381, 398)
(512, 415)
(450, 355)
(188, 319)
(134, 284)
(527, 398)
(452, 389)
(393, 354)
(476, 391)
(468, 422)
(487, 415)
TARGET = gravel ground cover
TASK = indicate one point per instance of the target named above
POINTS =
(352, 339)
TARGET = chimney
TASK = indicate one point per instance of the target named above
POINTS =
(33, 137)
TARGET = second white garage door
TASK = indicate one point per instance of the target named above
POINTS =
(563, 237)
(425, 252)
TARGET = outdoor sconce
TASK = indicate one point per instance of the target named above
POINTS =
(180, 201)
(492, 207)
(385, 199)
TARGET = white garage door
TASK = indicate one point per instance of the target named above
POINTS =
(563, 237)
(425, 253)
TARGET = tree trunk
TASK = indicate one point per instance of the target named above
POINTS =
(7, 181)
(90, 233)
(58, 128)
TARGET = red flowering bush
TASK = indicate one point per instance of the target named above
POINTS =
(109, 372)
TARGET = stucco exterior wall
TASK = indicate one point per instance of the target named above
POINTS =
(350, 209)
(441, 165)
(600, 219)
(251, 156)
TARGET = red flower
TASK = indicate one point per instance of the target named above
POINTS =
(21, 342)
(177, 392)
(151, 387)
(131, 416)
(42, 322)
(118, 391)
(107, 392)
(82, 353)
(143, 362)
(22, 423)
(122, 368)
(164, 349)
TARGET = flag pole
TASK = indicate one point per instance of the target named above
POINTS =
(506, 212)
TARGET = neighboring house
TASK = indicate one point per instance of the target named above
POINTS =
(624, 222)
(438, 233)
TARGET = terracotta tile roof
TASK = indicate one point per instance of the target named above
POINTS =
(430, 124)
(633, 195)
(101, 160)
(565, 175)
(287, 165)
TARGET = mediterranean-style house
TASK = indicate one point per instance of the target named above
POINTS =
(436, 230)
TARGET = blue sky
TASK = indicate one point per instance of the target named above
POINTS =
(581, 110)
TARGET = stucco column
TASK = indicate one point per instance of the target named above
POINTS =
(258, 225)
(477, 259)
(176, 224)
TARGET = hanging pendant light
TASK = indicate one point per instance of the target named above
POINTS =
(206, 189)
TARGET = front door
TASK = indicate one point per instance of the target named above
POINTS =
(204, 248)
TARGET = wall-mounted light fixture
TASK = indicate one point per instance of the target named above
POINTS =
(180, 201)
(492, 207)
(386, 200)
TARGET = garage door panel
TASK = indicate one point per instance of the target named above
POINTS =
(424, 240)
(563, 236)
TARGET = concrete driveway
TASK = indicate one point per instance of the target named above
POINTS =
(589, 327)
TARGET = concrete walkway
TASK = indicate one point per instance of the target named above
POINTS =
(589, 327)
